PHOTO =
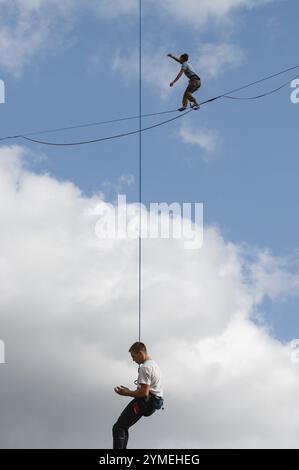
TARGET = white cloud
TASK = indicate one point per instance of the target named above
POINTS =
(213, 59)
(157, 69)
(199, 14)
(127, 179)
(207, 140)
(273, 275)
(68, 307)
(123, 182)
(28, 27)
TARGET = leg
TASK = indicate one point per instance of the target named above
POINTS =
(184, 101)
(130, 415)
(185, 98)
(194, 85)
(126, 439)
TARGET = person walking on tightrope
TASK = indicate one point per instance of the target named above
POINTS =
(147, 398)
(194, 81)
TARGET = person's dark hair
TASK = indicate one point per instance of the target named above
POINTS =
(184, 57)
(137, 347)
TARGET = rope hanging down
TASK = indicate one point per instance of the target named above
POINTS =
(140, 174)
(116, 136)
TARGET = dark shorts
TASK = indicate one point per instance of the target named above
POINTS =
(194, 84)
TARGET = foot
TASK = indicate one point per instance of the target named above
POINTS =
(195, 105)
(182, 108)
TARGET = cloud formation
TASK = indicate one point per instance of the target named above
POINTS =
(68, 305)
(213, 59)
(29, 27)
(205, 139)
(157, 69)
(200, 14)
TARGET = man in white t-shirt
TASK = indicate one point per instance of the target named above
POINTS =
(148, 397)
(194, 81)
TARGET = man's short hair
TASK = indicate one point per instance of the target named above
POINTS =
(184, 57)
(137, 347)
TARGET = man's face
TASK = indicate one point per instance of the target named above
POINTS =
(137, 357)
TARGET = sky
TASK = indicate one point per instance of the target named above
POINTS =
(219, 320)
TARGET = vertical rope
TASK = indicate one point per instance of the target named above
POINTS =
(140, 174)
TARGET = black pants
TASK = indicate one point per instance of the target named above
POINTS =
(137, 408)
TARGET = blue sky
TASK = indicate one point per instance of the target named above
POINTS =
(249, 188)
(82, 68)
(248, 185)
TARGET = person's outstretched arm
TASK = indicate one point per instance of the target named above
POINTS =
(177, 78)
(174, 58)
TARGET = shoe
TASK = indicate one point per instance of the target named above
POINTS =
(182, 108)
(195, 106)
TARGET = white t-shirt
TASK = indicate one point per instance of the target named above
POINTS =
(150, 374)
(188, 69)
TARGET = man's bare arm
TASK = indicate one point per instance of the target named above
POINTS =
(143, 391)
(177, 78)
(174, 58)
(140, 392)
